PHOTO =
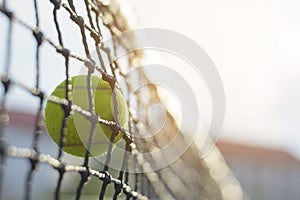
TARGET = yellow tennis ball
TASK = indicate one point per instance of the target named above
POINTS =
(78, 127)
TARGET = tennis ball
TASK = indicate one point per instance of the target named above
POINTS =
(78, 126)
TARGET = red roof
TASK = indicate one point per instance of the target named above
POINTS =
(254, 153)
(21, 119)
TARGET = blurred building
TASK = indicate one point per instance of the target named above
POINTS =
(186, 178)
(265, 174)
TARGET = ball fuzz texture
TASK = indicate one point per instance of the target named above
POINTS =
(78, 127)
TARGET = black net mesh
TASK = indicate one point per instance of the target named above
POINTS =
(187, 178)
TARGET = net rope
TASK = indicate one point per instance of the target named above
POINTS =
(33, 154)
(186, 178)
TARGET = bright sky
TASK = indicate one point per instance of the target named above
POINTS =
(254, 45)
